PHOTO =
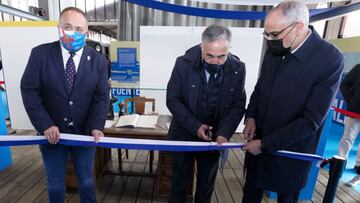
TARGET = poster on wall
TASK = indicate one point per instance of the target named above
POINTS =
(125, 68)
(125, 71)
(351, 50)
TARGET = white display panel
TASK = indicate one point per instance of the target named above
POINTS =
(17, 40)
(161, 45)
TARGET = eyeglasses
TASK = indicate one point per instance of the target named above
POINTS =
(274, 35)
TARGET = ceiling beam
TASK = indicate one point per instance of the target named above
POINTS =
(259, 2)
(335, 12)
(19, 13)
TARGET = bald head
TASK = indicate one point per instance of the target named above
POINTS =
(73, 19)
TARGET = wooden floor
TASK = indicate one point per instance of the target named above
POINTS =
(25, 181)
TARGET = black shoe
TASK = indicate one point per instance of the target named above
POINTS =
(357, 169)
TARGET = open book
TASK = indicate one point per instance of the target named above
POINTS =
(137, 121)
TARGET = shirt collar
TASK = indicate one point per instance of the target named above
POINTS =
(307, 37)
(65, 52)
(309, 45)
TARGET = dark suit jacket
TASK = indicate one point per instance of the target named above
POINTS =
(289, 103)
(350, 89)
(183, 92)
(44, 91)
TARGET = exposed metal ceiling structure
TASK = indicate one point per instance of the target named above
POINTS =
(122, 19)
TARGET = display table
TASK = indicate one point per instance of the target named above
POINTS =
(163, 174)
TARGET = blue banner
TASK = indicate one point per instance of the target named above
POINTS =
(121, 94)
(125, 92)
(214, 13)
(340, 103)
(5, 153)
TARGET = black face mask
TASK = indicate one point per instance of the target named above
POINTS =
(276, 47)
(212, 68)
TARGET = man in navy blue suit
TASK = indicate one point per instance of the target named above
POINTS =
(206, 97)
(65, 90)
(299, 76)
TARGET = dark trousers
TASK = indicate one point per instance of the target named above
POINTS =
(55, 158)
(207, 167)
(253, 194)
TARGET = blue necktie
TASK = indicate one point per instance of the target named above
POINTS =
(70, 73)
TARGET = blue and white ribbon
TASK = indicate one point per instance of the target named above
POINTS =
(299, 156)
(140, 144)
(123, 143)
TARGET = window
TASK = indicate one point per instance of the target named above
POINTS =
(18, 4)
(352, 25)
(319, 26)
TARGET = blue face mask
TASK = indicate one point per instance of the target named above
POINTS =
(72, 41)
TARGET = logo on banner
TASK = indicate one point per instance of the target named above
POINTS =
(125, 92)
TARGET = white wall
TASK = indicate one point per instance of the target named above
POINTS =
(161, 45)
(16, 43)
(1, 75)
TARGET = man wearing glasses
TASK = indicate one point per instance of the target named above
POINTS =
(299, 77)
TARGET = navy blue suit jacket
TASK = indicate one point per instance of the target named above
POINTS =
(183, 93)
(44, 91)
(289, 103)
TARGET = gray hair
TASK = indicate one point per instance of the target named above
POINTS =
(216, 32)
(294, 11)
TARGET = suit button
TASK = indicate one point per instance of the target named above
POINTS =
(231, 89)
(193, 85)
(70, 103)
(65, 119)
(227, 106)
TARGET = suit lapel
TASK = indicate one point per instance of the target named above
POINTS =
(83, 65)
(59, 69)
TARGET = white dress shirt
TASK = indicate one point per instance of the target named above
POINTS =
(76, 58)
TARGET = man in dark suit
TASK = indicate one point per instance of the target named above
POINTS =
(65, 90)
(206, 97)
(299, 76)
